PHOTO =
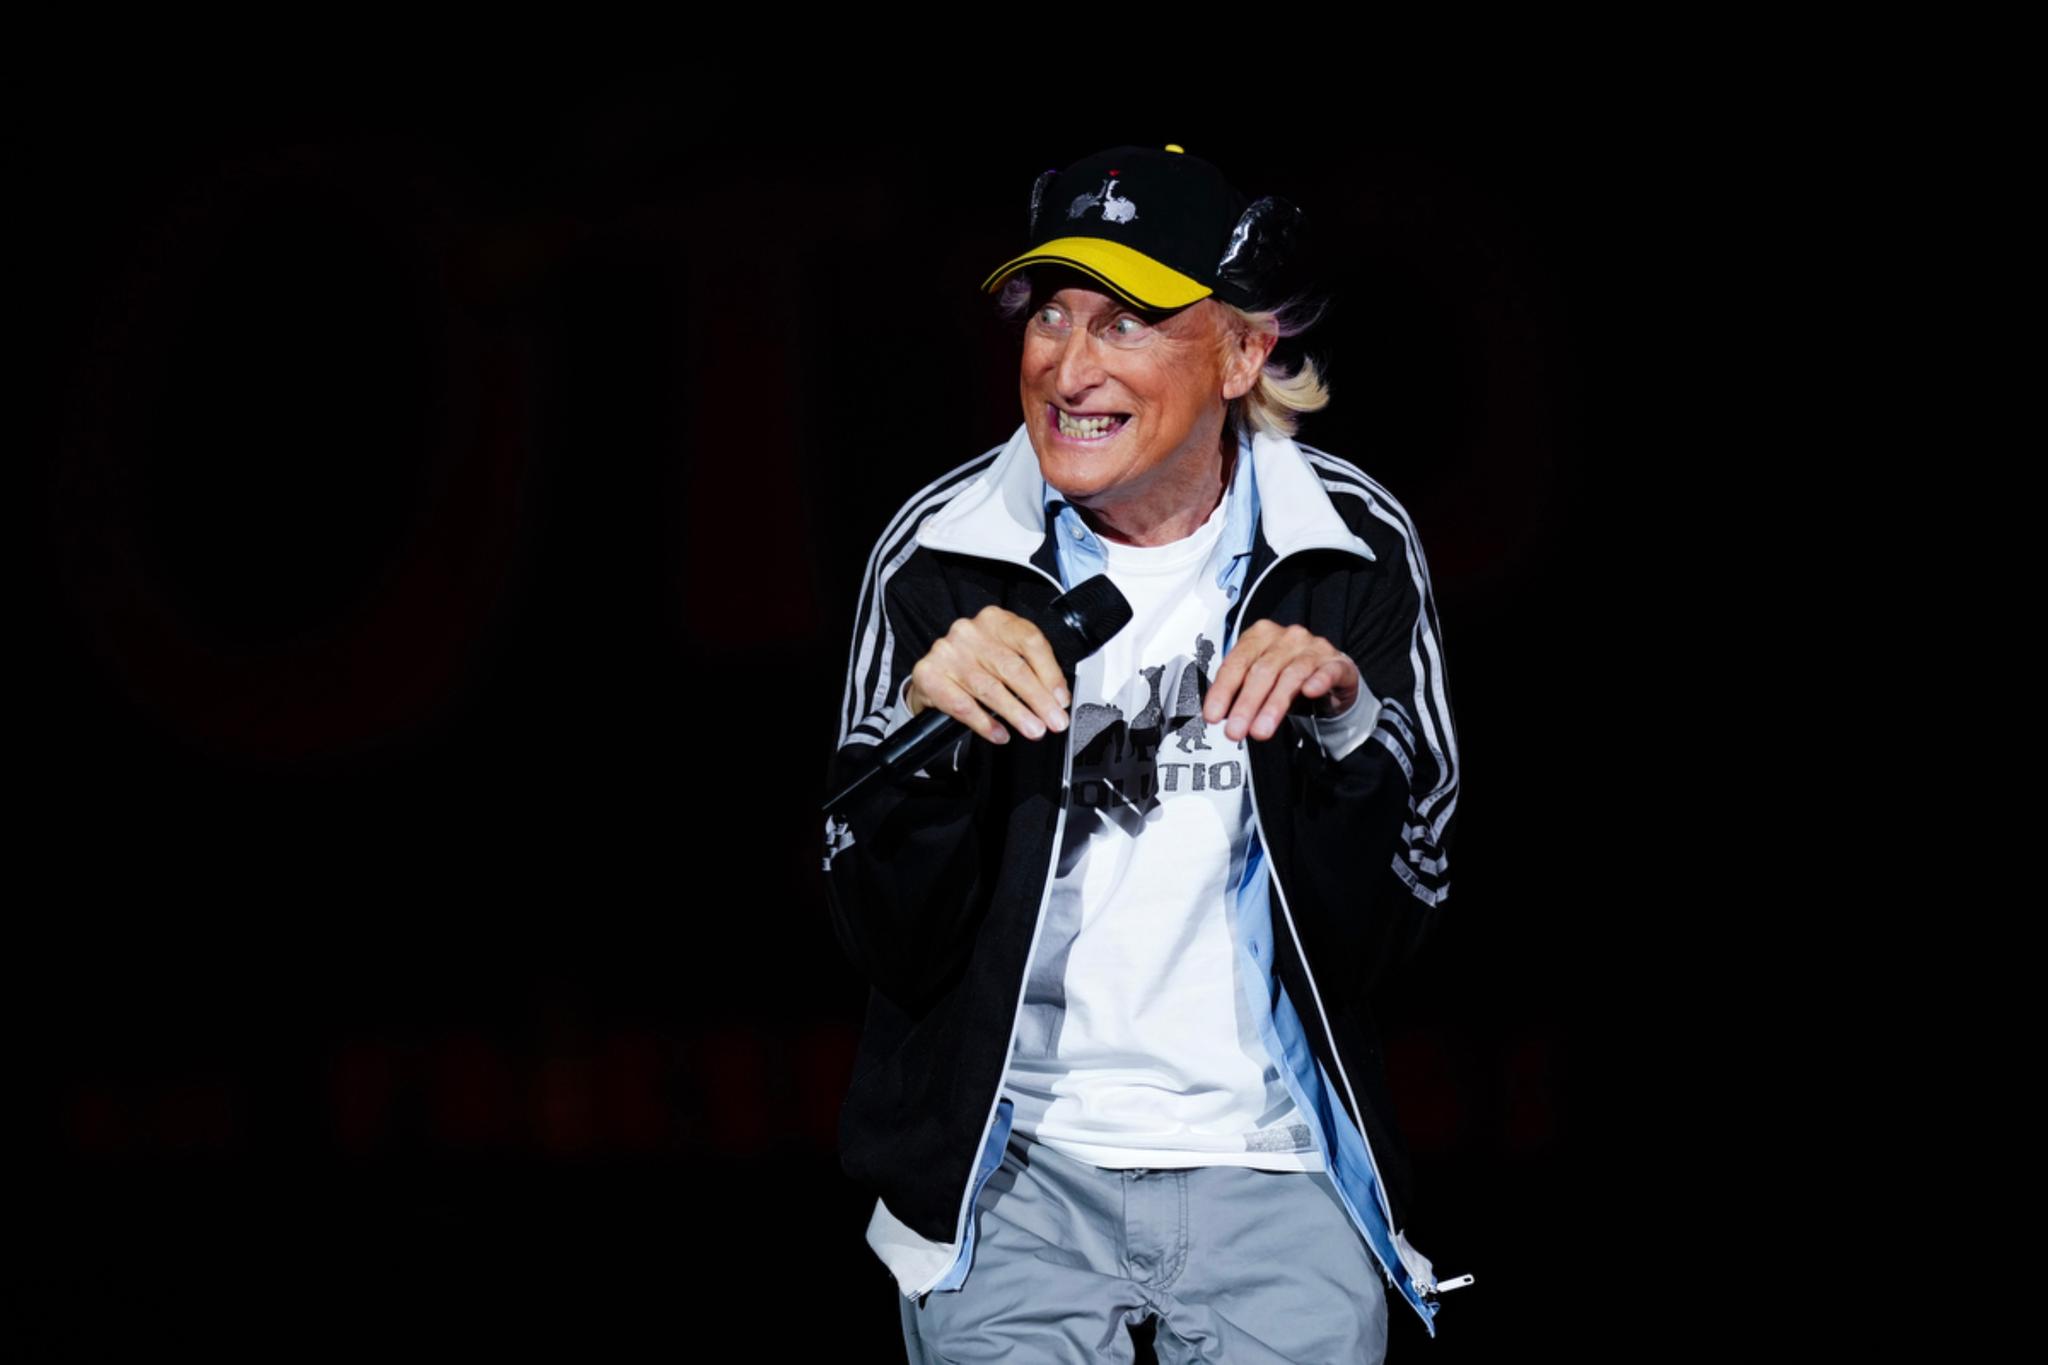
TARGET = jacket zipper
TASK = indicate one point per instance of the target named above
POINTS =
(1315, 994)
(1059, 829)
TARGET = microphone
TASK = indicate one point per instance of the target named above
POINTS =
(1076, 625)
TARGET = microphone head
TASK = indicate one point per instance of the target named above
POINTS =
(1084, 620)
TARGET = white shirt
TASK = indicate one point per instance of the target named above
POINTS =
(1133, 1045)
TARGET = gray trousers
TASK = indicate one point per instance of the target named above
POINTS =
(1239, 1265)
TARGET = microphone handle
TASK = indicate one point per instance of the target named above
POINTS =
(919, 742)
(904, 752)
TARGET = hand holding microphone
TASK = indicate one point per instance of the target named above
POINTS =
(992, 667)
(998, 666)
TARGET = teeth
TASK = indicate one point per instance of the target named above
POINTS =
(1084, 427)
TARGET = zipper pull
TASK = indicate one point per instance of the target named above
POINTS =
(1445, 1286)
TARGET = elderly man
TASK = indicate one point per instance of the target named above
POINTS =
(1118, 1061)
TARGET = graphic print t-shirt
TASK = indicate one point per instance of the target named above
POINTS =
(1134, 1046)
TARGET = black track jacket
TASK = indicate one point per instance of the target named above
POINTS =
(936, 882)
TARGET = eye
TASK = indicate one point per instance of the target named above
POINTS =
(1049, 315)
(1126, 327)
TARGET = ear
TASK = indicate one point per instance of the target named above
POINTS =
(1244, 355)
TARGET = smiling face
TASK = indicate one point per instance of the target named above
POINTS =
(1126, 408)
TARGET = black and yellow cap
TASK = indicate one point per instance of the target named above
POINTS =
(1157, 227)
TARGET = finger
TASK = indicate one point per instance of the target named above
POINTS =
(1337, 679)
(993, 692)
(1028, 640)
(1230, 673)
(1024, 676)
(1251, 696)
(1286, 648)
(1285, 688)
(956, 701)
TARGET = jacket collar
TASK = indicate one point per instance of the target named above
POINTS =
(1001, 514)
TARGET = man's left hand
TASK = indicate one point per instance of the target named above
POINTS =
(1267, 669)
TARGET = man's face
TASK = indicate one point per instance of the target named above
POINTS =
(1126, 408)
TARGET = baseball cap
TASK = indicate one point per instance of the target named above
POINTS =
(1159, 228)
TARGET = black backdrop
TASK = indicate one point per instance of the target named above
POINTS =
(442, 502)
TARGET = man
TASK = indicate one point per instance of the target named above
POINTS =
(1118, 1061)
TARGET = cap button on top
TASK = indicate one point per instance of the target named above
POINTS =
(1176, 147)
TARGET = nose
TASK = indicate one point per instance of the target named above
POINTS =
(1080, 367)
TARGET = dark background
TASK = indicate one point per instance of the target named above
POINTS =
(443, 502)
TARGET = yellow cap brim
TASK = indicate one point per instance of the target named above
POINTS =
(1131, 275)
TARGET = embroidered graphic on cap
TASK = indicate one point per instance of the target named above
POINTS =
(1114, 210)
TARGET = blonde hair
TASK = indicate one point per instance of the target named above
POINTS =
(1277, 401)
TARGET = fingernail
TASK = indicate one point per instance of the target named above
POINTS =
(1059, 694)
(1033, 727)
(1001, 736)
(1058, 720)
